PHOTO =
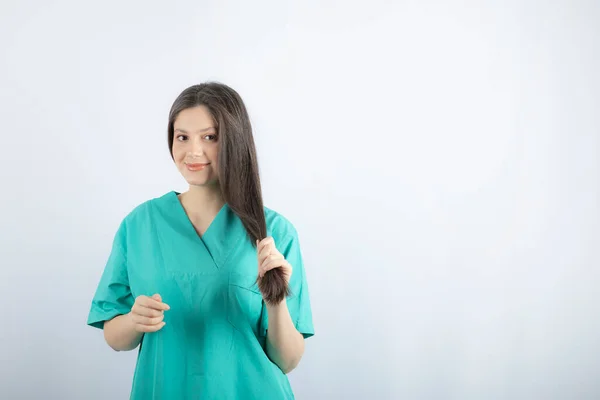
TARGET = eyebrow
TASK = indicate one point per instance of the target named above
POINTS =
(201, 130)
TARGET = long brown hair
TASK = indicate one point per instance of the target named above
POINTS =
(238, 166)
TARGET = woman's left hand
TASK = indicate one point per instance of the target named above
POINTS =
(269, 257)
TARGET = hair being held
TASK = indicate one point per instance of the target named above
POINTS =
(238, 167)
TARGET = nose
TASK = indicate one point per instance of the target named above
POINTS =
(197, 148)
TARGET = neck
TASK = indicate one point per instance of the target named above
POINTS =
(203, 201)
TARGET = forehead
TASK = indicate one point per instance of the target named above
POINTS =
(194, 119)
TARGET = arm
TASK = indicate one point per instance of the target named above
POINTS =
(285, 342)
(285, 345)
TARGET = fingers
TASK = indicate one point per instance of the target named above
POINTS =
(141, 320)
(149, 328)
(145, 311)
(152, 302)
(148, 313)
(274, 265)
(265, 252)
(272, 258)
(265, 248)
(270, 262)
(265, 241)
(269, 257)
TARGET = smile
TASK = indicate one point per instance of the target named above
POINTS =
(196, 167)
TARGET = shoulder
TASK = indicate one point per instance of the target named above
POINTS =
(279, 226)
(140, 213)
(285, 235)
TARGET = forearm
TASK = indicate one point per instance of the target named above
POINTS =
(285, 345)
(120, 333)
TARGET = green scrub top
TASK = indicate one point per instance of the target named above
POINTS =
(213, 345)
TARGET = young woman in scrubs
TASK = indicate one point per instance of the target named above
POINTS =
(186, 280)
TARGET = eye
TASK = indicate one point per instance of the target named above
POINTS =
(181, 138)
(211, 138)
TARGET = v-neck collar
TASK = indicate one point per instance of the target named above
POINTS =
(222, 234)
(210, 227)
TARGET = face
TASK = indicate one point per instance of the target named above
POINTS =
(196, 146)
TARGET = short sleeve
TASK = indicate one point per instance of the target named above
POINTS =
(113, 295)
(298, 301)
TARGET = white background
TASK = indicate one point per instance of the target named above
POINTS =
(439, 159)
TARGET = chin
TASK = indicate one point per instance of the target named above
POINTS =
(202, 182)
(197, 182)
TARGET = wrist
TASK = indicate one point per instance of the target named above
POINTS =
(130, 322)
(281, 306)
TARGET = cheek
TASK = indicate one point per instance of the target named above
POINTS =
(213, 154)
(178, 153)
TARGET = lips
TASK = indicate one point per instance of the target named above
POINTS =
(197, 166)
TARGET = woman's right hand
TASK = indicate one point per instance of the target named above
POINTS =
(148, 313)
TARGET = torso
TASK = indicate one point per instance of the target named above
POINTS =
(213, 340)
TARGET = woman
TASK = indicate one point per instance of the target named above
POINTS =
(208, 283)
